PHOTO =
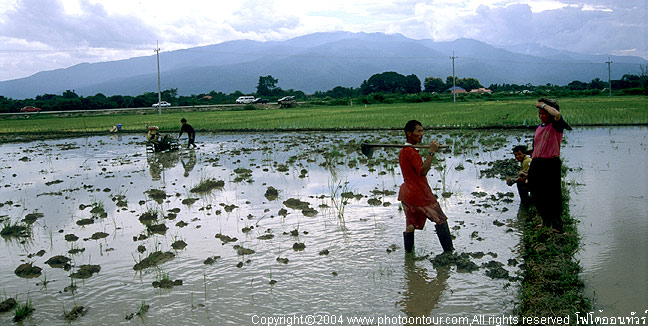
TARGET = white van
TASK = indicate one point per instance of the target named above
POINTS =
(245, 99)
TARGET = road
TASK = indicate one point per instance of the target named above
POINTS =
(153, 109)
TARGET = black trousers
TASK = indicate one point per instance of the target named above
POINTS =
(523, 190)
(546, 191)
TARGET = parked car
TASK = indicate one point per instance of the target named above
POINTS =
(30, 108)
(245, 99)
(163, 103)
(260, 100)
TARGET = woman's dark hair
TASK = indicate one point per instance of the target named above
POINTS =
(552, 103)
(183, 120)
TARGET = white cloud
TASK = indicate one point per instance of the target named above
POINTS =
(97, 30)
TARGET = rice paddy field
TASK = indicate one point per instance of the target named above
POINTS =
(627, 110)
(256, 225)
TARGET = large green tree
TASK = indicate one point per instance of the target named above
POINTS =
(391, 82)
(268, 86)
(433, 84)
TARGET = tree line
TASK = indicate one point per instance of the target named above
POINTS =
(384, 87)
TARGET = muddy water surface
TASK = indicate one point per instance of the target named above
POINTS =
(340, 254)
(612, 203)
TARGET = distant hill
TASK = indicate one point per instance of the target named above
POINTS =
(320, 62)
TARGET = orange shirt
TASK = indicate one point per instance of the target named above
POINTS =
(415, 191)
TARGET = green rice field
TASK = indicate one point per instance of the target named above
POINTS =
(626, 110)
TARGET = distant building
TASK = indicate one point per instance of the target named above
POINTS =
(206, 97)
(457, 90)
(481, 90)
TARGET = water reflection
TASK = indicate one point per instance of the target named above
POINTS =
(188, 162)
(422, 293)
(159, 162)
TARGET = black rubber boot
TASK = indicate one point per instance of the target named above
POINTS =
(443, 232)
(408, 239)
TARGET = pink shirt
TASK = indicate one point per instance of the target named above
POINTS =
(546, 141)
(415, 191)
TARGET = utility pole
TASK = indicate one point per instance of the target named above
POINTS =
(454, 84)
(609, 62)
(157, 50)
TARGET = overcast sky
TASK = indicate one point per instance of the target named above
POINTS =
(38, 35)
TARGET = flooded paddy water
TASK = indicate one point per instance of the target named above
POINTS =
(254, 225)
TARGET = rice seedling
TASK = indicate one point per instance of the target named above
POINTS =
(143, 308)
(14, 229)
(23, 310)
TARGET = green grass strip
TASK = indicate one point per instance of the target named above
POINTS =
(626, 110)
(551, 286)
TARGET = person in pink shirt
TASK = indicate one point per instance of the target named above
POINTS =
(544, 177)
(417, 199)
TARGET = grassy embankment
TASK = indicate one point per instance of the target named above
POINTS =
(513, 113)
(550, 283)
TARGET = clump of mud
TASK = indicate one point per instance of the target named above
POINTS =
(271, 193)
(189, 201)
(27, 270)
(374, 202)
(7, 305)
(75, 251)
(32, 217)
(225, 238)
(86, 271)
(71, 237)
(461, 261)
(166, 283)
(148, 216)
(501, 168)
(156, 194)
(229, 208)
(206, 186)
(309, 212)
(157, 228)
(295, 203)
(211, 260)
(85, 221)
(154, 259)
(179, 245)
(299, 246)
(351, 195)
(120, 200)
(495, 270)
(99, 235)
(266, 236)
(241, 251)
(75, 313)
(243, 174)
(98, 210)
(58, 261)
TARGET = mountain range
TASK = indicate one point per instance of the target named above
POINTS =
(320, 62)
